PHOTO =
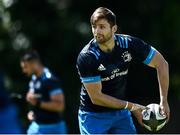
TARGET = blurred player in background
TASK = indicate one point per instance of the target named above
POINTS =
(103, 68)
(44, 95)
(9, 122)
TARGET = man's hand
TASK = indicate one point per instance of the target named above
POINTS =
(139, 117)
(32, 98)
(30, 115)
(137, 107)
(164, 109)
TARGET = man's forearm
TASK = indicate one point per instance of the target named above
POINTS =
(108, 101)
(163, 79)
(52, 106)
(97, 97)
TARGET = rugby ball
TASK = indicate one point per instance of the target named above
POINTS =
(153, 120)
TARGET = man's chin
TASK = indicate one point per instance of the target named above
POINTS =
(100, 41)
(28, 75)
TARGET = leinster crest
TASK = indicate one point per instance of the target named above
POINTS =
(126, 56)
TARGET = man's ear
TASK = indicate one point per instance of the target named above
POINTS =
(114, 28)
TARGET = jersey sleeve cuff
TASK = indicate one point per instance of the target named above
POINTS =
(150, 56)
(90, 79)
(56, 91)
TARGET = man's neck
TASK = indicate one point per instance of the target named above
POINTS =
(39, 70)
(108, 46)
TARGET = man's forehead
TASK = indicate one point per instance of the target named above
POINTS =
(25, 63)
(101, 22)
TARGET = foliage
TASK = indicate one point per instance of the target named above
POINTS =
(58, 29)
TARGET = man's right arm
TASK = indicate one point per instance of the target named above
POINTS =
(87, 65)
(101, 99)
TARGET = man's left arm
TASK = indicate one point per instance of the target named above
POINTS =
(55, 104)
(161, 65)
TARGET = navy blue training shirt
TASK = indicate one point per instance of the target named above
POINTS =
(110, 68)
(45, 86)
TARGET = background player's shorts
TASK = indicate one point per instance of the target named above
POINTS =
(113, 122)
(58, 128)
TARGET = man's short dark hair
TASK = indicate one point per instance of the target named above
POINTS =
(30, 55)
(103, 13)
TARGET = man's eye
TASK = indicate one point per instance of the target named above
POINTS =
(93, 26)
(102, 27)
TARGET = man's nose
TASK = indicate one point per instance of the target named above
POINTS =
(97, 30)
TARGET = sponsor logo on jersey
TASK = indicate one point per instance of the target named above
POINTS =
(115, 71)
(114, 75)
(101, 67)
(37, 85)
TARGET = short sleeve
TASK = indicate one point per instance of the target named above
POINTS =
(87, 68)
(140, 50)
(53, 87)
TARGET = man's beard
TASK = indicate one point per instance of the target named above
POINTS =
(103, 39)
(28, 74)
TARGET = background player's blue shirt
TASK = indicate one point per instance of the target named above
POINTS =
(45, 86)
(110, 68)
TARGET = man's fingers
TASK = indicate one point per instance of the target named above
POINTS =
(141, 107)
(137, 107)
(162, 111)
